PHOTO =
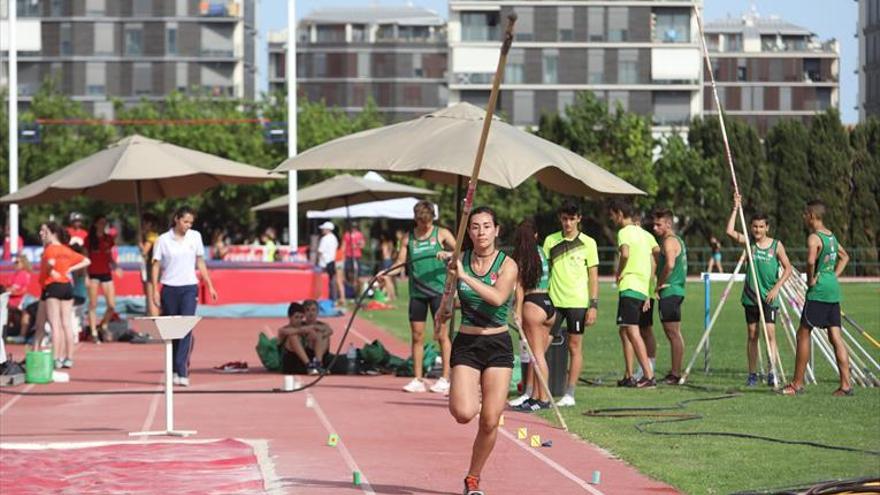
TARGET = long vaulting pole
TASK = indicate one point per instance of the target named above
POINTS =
(446, 301)
(772, 356)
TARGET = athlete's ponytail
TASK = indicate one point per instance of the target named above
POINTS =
(525, 253)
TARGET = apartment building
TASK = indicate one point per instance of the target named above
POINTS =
(869, 59)
(643, 55)
(130, 50)
(769, 69)
(395, 56)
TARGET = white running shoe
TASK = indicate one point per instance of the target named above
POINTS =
(565, 401)
(441, 386)
(518, 401)
(175, 379)
(415, 386)
(184, 382)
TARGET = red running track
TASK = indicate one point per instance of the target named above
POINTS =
(401, 443)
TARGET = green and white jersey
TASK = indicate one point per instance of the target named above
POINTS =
(475, 312)
(427, 274)
(569, 261)
(767, 266)
(827, 288)
(544, 281)
(678, 276)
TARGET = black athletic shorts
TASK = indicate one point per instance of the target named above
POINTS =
(646, 318)
(418, 308)
(670, 309)
(820, 314)
(101, 277)
(482, 351)
(541, 299)
(58, 290)
(752, 315)
(629, 311)
(575, 320)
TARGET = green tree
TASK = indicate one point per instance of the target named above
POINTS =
(787, 144)
(831, 169)
(863, 201)
(686, 183)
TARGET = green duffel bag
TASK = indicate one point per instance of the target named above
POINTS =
(375, 354)
(269, 352)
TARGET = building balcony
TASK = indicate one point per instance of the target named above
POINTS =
(221, 9)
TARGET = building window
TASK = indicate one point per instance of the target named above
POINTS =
(28, 79)
(104, 38)
(550, 66)
(564, 99)
(96, 78)
(742, 73)
(363, 67)
(181, 76)
(216, 40)
(95, 8)
(673, 26)
(596, 23)
(171, 38)
(142, 79)
(595, 66)
(525, 23)
(823, 99)
(413, 33)
(417, 65)
(514, 73)
(480, 26)
(628, 66)
(330, 34)
(216, 81)
(134, 34)
(181, 8)
(320, 65)
(65, 47)
(785, 98)
(386, 32)
(565, 23)
(523, 107)
(358, 33)
(734, 42)
(56, 8)
(142, 8)
(672, 107)
(27, 8)
(618, 23)
(616, 98)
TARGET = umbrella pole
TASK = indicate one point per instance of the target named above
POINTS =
(446, 301)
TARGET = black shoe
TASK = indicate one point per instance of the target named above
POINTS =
(532, 405)
(646, 383)
(671, 379)
(626, 381)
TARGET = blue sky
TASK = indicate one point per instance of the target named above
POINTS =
(827, 18)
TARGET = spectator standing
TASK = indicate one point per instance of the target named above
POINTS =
(100, 246)
(353, 243)
(327, 246)
(75, 231)
(56, 266)
(176, 255)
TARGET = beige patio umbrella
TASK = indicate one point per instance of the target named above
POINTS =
(344, 190)
(138, 169)
(440, 147)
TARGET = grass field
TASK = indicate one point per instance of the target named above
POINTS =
(711, 464)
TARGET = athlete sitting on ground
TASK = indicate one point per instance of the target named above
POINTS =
(482, 352)
(769, 255)
(319, 342)
(297, 342)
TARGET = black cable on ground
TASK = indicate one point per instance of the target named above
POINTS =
(852, 485)
(657, 411)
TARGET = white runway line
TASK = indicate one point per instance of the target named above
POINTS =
(550, 462)
(346, 455)
(15, 399)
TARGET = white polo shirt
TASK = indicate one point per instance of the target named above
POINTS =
(177, 258)
(327, 247)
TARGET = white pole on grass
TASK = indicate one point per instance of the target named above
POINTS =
(290, 69)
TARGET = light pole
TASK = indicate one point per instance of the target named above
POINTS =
(292, 223)
(13, 124)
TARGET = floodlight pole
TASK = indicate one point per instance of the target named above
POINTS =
(13, 124)
(292, 212)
